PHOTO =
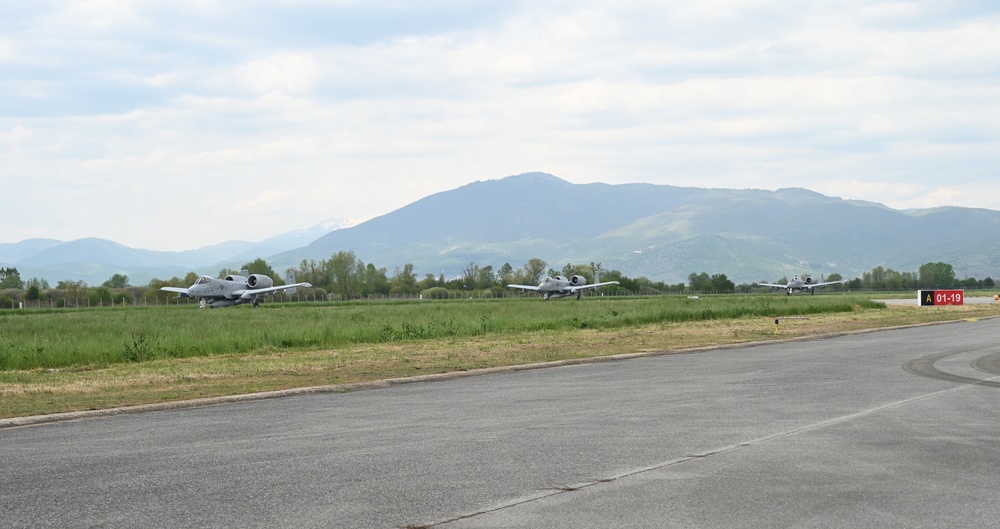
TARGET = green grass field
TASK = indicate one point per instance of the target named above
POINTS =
(83, 359)
(59, 338)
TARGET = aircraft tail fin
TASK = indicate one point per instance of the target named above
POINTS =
(289, 280)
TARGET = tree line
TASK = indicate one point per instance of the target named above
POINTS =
(344, 276)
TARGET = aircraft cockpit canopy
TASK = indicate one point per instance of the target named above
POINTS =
(203, 280)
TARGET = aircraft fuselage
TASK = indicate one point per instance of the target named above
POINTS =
(234, 289)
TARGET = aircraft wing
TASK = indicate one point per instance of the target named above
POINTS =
(524, 287)
(182, 291)
(595, 285)
(252, 293)
(814, 285)
(772, 285)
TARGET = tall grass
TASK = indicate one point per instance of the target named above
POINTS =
(80, 338)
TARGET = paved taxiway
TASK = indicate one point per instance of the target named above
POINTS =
(887, 429)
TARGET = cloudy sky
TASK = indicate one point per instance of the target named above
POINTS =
(176, 124)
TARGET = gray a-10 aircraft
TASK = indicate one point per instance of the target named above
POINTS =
(560, 287)
(801, 285)
(235, 290)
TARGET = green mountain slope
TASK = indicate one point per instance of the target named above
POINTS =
(663, 232)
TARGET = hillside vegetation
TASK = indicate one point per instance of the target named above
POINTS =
(660, 232)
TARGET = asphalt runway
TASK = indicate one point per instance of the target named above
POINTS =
(894, 428)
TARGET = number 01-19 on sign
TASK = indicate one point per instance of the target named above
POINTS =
(941, 297)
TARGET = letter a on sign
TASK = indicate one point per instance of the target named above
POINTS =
(925, 297)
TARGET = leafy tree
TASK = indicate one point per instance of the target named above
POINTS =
(260, 266)
(42, 284)
(342, 270)
(428, 282)
(374, 280)
(189, 279)
(74, 290)
(627, 283)
(10, 278)
(470, 274)
(835, 277)
(893, 280)
(721, 283)
(99, 296)
(116, 281)
(404, 281)
(937, 275)
(585, 271)
(506, 273)
(699, 282)
(533, 271)
(968, 283)
(596, 269)
(486, 278)
(33, 293)
(310, 271)
(518, 277)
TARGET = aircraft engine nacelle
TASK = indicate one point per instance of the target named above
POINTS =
(259, 281)
(809, 280)
(577, 281)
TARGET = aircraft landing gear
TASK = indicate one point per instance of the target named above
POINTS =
(256, 304)
(578, 294)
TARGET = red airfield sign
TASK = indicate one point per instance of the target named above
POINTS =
(929, 298)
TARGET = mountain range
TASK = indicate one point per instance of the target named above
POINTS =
(661, 232)
(94, 260)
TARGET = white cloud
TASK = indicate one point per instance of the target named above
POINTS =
(266, 198)
(16, 135)
(153, 103)
(94, 16)
(293, 73)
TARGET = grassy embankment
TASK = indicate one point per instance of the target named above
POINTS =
(70, 359)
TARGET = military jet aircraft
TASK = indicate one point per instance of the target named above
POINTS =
(560, 287)
(801, 285)
(235, 290)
